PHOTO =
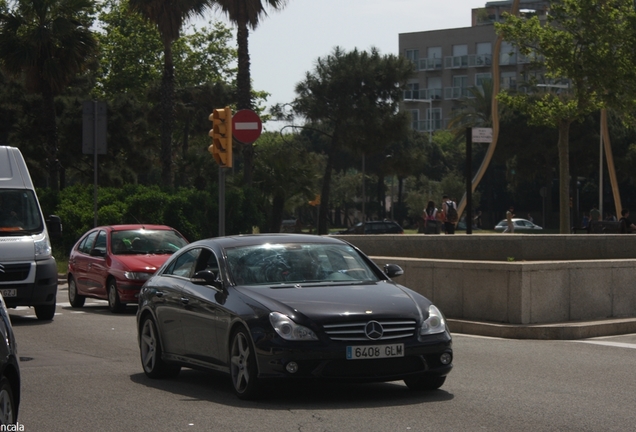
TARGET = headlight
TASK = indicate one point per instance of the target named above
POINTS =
(435, 323)
(42, 248)
(137, 275)
(289, 330)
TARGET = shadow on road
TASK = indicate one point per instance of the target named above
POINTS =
(217, 388)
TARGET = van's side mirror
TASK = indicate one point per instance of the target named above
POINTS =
(54, 226)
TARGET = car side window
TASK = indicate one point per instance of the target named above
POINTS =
(207, 261)
(100, 243)
(184, 265)
(87, 244)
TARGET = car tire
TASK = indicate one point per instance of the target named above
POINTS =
(243, 369)
(45, 312)
(114, 303)
(150, 350)
(8, 410)
(76, 300)
(426, 383)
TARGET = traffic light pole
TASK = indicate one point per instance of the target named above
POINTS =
(222, 172)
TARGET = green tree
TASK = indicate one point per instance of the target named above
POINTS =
(353, 99)
(284, 169)
(589, 43)
(246, 14)
(169, 17)
(47, 43)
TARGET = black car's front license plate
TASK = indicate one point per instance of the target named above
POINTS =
(9, 293)
(363, 352)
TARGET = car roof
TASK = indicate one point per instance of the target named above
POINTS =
(129, 227)
(257, 239)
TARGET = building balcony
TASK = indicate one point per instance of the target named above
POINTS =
(423, 94)
(480, 60)
(455, 92)
(429, 64)
(456, 62)
(428, 125)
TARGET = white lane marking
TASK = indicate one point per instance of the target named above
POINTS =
(607, 343)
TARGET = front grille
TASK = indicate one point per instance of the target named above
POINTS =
(355, 331)
(14, 272)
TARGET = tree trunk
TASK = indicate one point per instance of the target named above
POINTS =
(278, 205)
(50, 132)
(167, 117)
(326, 186)
(564, 176)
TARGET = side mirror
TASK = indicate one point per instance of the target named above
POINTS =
(393, 270)
(207, 277)
(54, 226)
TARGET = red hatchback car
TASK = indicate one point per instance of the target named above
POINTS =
(113, 262)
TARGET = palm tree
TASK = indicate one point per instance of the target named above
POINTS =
(47, 43)
(169, 17)
(245, 14)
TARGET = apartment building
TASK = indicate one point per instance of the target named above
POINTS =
(451, 61)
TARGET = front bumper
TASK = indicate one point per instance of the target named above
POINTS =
(329, 362)
(42, 291)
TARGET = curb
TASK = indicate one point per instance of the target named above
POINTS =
(572, 330)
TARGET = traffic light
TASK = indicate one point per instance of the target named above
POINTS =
(221, 134)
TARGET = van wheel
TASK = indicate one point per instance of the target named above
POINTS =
(45, 312)
(114, 304)
(76, 300)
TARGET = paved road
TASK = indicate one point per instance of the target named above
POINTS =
(81, 372)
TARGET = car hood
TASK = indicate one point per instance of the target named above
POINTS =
(322, 302)
(141, 262)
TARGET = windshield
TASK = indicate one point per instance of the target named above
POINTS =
(143, 241)
(297, 263)
(19, 212)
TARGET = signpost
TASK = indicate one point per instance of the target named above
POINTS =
(246, 126)
(478, 135)
(94, 138)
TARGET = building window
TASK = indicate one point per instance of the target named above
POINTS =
(509, 80)
(413, 55)
(412, 91)
(415, 119)
(508, 55)
(481, 77)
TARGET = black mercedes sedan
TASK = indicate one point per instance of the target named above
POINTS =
(288, 306)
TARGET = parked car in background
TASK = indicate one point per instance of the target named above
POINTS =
(522, 226)
(9, 371)
(285, 307)
(113, 262)
(374, 227)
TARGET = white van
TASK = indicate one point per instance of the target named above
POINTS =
(28, 272)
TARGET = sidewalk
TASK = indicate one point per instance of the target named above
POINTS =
(555, 331)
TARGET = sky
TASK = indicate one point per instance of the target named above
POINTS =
(287, 43)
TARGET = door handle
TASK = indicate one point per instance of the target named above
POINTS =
(185, 300)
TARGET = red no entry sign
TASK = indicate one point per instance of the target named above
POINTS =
(246, 126)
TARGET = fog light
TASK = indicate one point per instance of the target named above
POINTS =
(446, 358)
(292, 367)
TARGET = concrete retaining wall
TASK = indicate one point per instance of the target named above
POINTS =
(515, 279)
(523, 292)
